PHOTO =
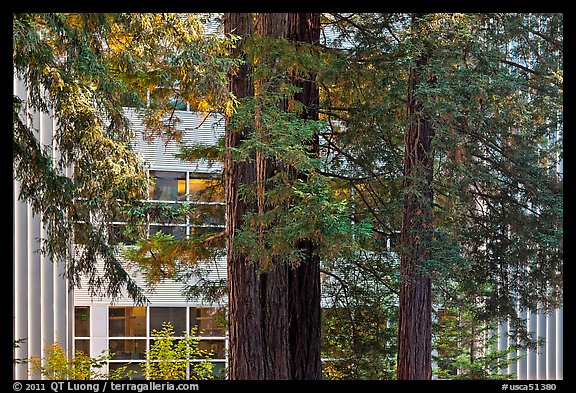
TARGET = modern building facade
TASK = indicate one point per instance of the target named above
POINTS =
(45, 311)
(126, 329)
(42, 304)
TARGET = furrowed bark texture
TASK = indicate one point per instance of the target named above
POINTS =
(274, 313)
(415, 308)
(305, 309)
(274, 282)
(246, 356)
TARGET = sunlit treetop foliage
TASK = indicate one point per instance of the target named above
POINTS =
(492, 89)
(85, 68)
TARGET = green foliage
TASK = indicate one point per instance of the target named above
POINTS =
(497, 158)
(168, 358)
(296, 200)
(84, 68)
(495, 106)
(467, 348)
(55, 365)
(496, 109)
(359, 341)
(359, 329)
(298, 210)
(166, 58)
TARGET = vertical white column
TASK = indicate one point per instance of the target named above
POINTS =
(503, 341)
(41, 300)
(34, 310)
(60, 284)
(34, 277)
(98, 329)
(60, 305)
(532, 353)
(20, 255)
(560, 343)
(522, 364)
(70, 322)
(20, 282)
(541, 362)
(46, 266)
(551, 345)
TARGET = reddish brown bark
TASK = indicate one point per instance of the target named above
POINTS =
(415, 308)
(274, 283)
(305, 309)
(245, 352)
(274, 316)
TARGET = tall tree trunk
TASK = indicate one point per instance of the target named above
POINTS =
(415, 308)
(304, 283)
(274, 315)
(274, 282)
(292, 295)
(246, 350)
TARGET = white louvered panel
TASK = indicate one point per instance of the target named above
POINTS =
(196, 129)
(167, 155)
(136, 144)
(204, 129)
(147, 151)
(168, 291)
(215, 269)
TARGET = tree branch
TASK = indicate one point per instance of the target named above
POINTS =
(514, 64)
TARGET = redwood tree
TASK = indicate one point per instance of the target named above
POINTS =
(483, 223)
(415, 308)
(246, 359)
(304, 280)
(274, 302)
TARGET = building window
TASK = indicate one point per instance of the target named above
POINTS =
(127, 321)
(171, 186)
(178, 232)
(217, 348)
(82, 321)
(204, 196)
(219, 370)
(205, 190)
(175, 315)
(181, 204)
(82, 345)
(167, 186)
(185, 204)
(211, 215)
(209, 321)
(124, 349)
(130, 333)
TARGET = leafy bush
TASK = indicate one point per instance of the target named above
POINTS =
(169, 358)
(55, 365)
